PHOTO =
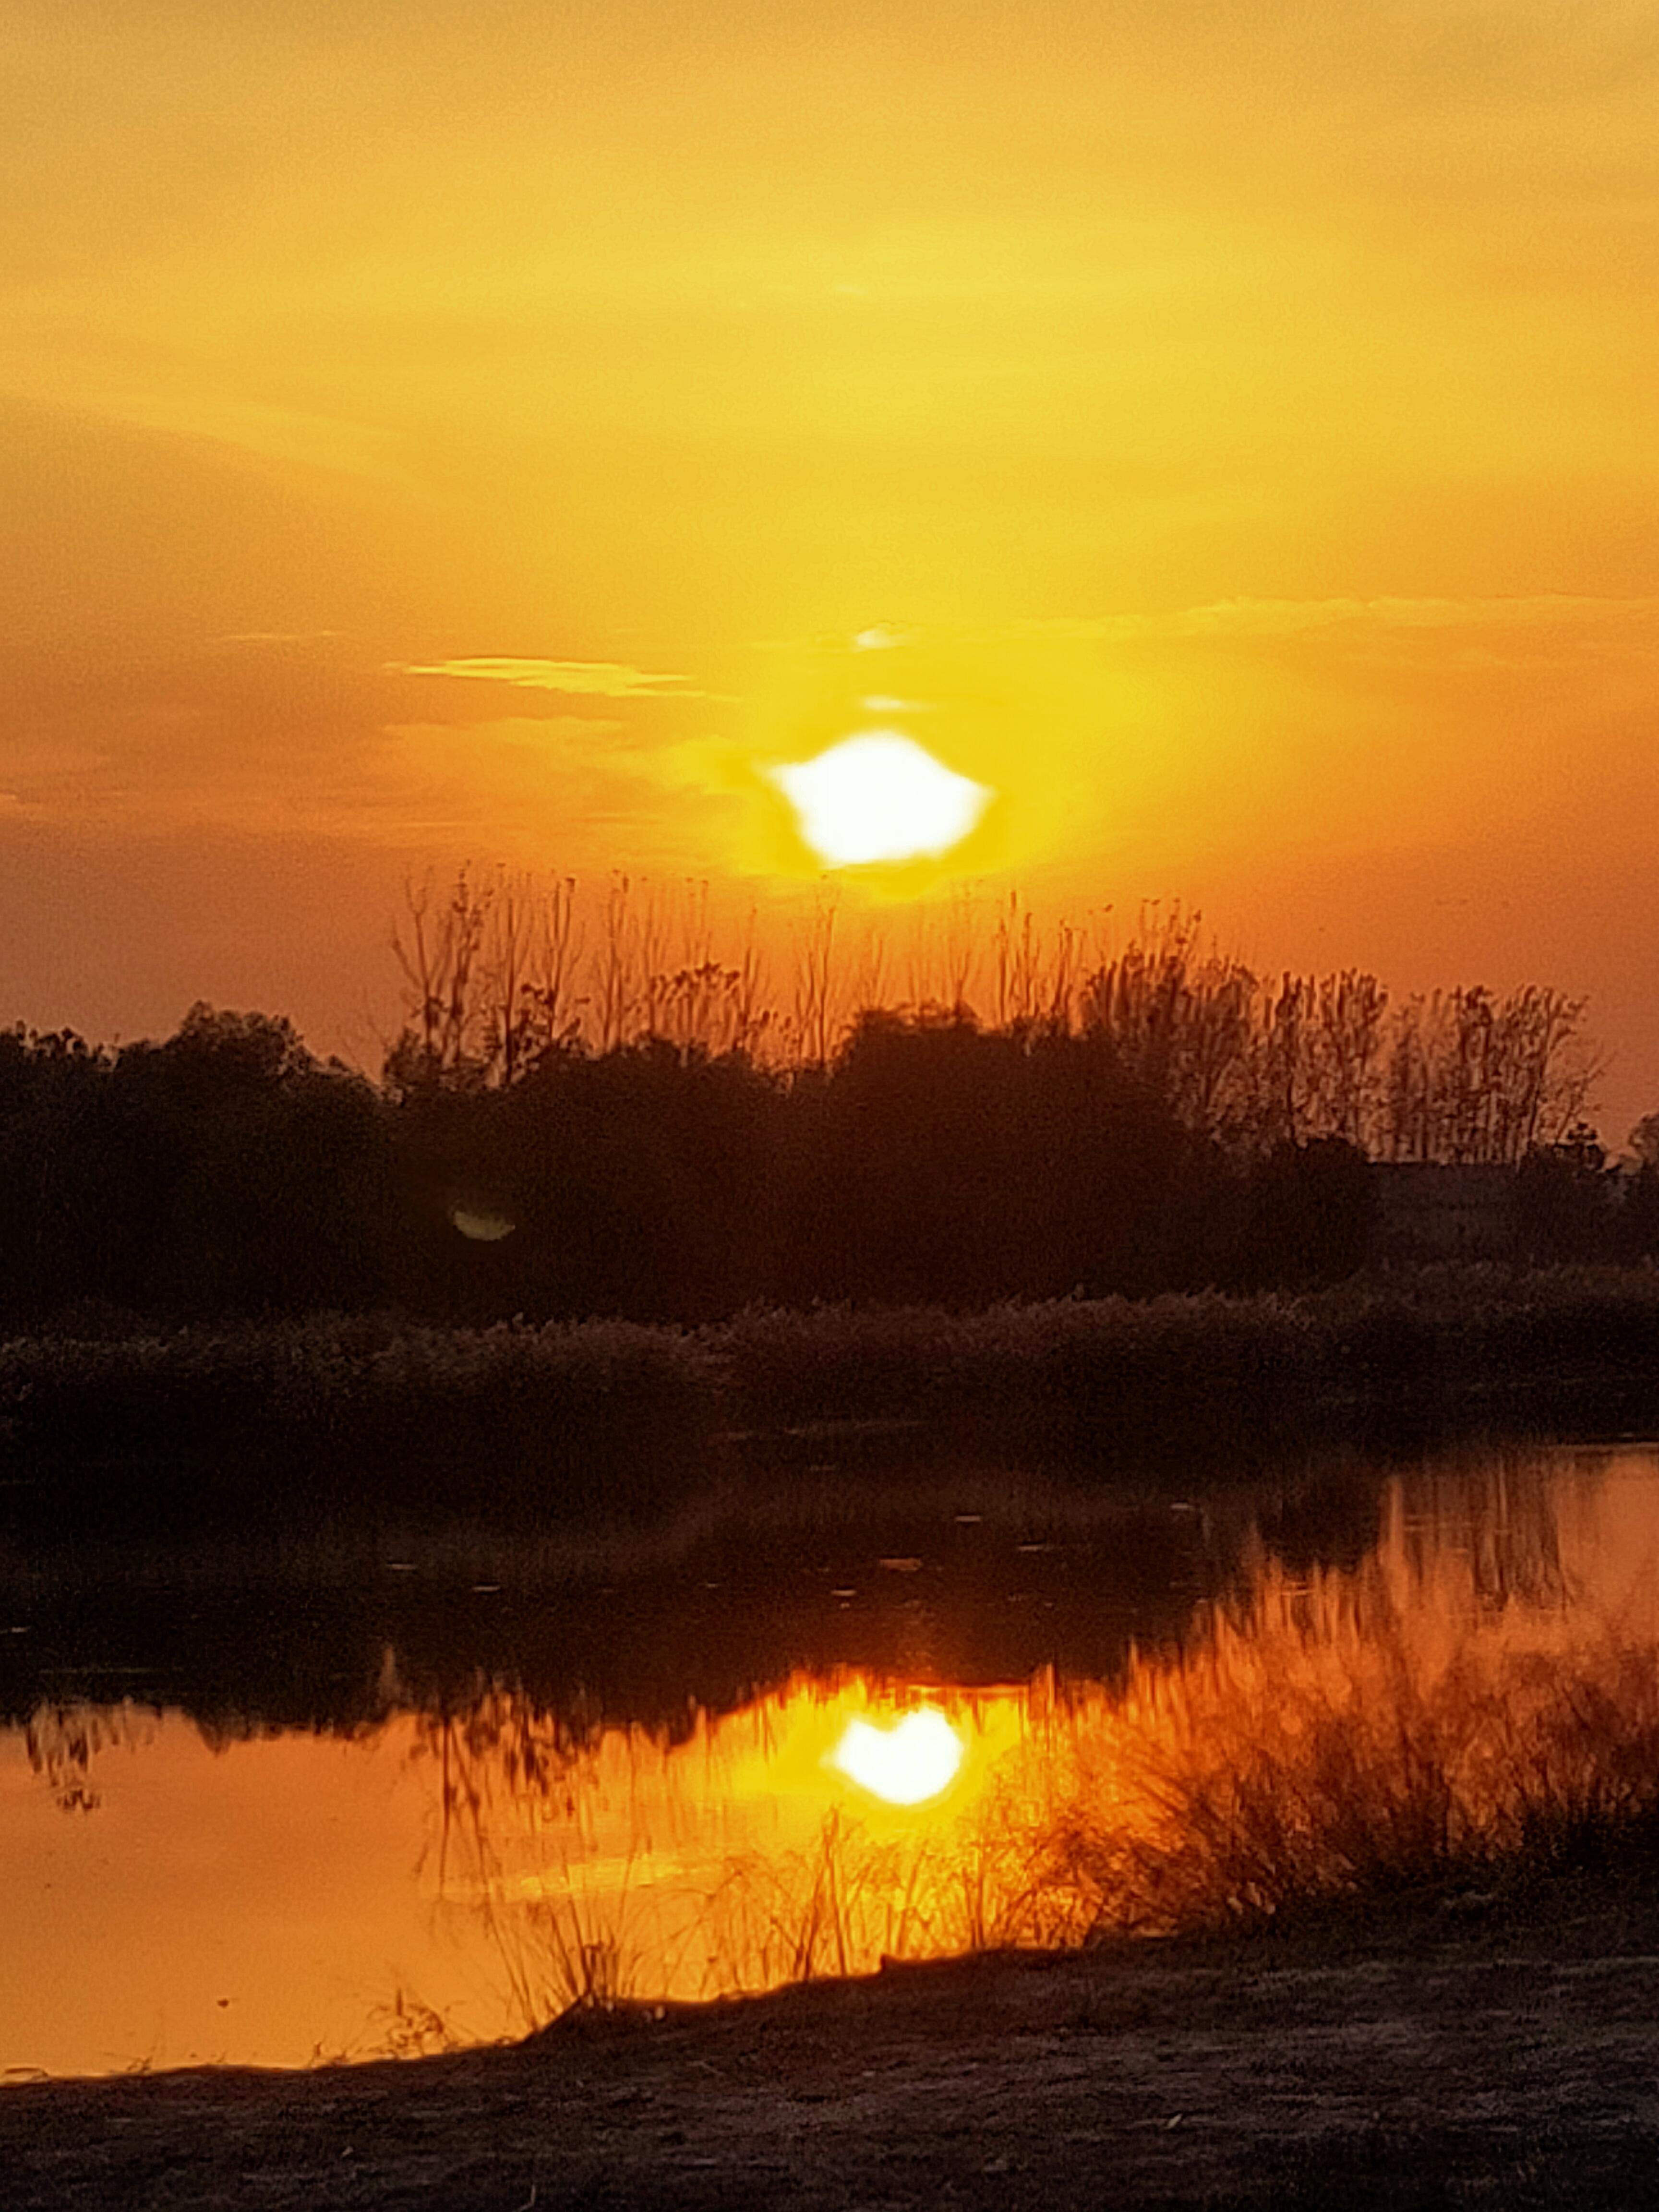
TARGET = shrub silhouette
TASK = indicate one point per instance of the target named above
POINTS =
(1563, 1202)
(639, 1181)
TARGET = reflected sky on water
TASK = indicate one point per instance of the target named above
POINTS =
(366, 1799)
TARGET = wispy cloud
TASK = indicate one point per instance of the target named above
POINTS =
(274, 636)
(600, 679)
(1559, 615)
(1273, 618)
(1289, 617)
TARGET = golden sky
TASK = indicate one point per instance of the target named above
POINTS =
(431, 430)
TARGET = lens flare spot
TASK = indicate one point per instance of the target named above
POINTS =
(905, 1765)
(479, 1227)
(879, 796)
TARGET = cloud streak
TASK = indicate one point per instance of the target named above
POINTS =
(1276, 618)
(598, 680)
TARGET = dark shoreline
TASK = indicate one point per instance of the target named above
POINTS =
(564, 1414)
(1428, 2050)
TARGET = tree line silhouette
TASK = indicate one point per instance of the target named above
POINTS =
(638, 1126)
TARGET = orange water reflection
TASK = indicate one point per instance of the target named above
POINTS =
(740, 1858)
(174, 1894)
(1479, 1672)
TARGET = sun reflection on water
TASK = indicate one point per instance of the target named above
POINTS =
(916, 1760)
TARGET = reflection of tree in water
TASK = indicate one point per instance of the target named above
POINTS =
(1498, 1511)
(61, 1740)
(651, 1636)
(1332, 1519)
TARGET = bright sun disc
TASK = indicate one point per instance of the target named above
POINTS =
(905, 1765)
(879, 796)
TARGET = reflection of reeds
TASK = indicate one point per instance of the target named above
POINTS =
(1347, 1737)
(560, 1945)
(1315, 1750)
(62, 1739)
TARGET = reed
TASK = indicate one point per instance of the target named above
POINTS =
(1320, 1748)
(574, 1417)
(247, 1421)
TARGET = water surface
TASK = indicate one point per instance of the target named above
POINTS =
(321, 1799)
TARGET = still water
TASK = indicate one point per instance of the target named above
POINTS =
(373, 1795)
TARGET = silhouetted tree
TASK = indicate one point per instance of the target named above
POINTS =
(1566, 1201)
(1311, 1214)
(267, 1173)
(569, 1130)
(939, 1162)
(1475, 1080)
(223, 1171)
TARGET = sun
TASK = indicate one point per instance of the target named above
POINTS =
(879, 796)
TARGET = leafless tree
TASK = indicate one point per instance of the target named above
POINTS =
(1285, 1060)
(1347, 1035)
(1019, 963)
(612, 997)
(1182, 1023)
(648, 960)
(507, 952)
(867, 969)
(437, 944)
(491, 970)
(815, 1026)
(1473, 1079)
(553, 1005)
(751, 1018)
(961, 946)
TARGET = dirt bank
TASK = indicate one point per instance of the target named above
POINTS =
(1457, 2051)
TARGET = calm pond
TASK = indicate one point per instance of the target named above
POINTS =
(296, 1800)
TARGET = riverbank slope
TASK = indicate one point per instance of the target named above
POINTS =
(1459, 2049)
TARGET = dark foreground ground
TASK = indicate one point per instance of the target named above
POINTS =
(1471, 2052)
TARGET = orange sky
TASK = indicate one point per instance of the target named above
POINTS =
(1242, 416)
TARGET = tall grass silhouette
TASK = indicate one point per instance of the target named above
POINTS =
(1321, 1748)
(575, 1420)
